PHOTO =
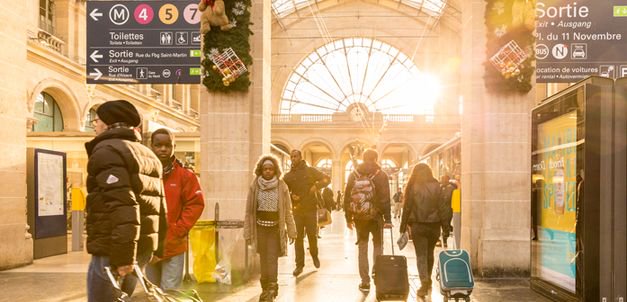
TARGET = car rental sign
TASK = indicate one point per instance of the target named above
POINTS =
(576, 39)
(143, 42)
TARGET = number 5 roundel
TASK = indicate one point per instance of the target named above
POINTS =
(168, 14)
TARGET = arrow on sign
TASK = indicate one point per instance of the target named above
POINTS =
(96, 74)
(95, 56)
(95, 14)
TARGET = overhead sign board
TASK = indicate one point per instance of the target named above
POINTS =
(143, 42)
(576, 39)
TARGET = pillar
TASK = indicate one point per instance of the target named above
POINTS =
(495, 161)
(17, 246)
(235, 131)
(338, 174)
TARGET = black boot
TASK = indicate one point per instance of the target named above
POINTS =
(273, 290)
(264, 291)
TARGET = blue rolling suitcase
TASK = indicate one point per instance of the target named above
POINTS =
(455, 275)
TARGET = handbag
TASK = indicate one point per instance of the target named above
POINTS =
(324, 217)
(153, 292)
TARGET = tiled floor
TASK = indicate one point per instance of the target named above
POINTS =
(62, 278)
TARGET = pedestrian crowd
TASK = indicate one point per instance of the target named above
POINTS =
(142, 203)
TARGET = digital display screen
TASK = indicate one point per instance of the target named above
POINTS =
(557, 172)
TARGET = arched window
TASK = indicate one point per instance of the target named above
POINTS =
(349, 169)
(89, 120)
(325, 165)
(47, 114)
(283, 8)
(359, 71)
(388, 165)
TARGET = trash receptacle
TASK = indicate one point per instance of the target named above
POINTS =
(203, 245)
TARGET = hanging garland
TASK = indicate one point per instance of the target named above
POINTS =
(510, 45)
(217, 41)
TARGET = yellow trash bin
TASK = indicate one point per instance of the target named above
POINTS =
(203, 244)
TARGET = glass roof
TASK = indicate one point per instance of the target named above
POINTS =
(283, 8)
(358, 71)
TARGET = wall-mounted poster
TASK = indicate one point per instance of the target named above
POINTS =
(50, 184)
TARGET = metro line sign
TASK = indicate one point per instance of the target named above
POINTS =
(141, 42)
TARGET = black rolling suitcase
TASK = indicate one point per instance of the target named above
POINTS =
(390, 276)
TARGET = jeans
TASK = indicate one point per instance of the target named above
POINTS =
(425, 236)
(364, 229)
(268, 247)
(168, 273)
(306, 223)
(99, 287)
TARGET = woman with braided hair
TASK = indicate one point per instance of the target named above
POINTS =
(269, 222)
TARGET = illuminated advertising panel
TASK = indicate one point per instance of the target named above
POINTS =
(555, 178)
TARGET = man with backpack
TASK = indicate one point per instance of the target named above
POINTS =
(367, 208)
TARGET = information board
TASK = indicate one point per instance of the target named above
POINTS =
(143, 42)
(576, 39)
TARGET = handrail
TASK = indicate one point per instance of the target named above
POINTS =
(389, 119)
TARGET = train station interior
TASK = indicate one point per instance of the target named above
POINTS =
(416, 80)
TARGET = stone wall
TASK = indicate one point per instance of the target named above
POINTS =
(17, 246)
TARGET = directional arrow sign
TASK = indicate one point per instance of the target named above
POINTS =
(95, 56)
(95, 14)
(96, 74)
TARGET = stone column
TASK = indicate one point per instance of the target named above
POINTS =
(495, 161)
(338, 173)
(17, 246)
(235, 131)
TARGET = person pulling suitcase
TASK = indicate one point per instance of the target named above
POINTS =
(367, 208)
(424, 212)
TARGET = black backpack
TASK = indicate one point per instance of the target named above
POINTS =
(362, 204)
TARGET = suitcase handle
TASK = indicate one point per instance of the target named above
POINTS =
(392, 238)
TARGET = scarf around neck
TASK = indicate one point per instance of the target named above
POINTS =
(268, 194)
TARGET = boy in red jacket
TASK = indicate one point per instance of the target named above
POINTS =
(185, 204)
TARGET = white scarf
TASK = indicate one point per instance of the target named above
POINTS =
(267, 194)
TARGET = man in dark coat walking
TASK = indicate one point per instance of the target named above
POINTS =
(303, 182)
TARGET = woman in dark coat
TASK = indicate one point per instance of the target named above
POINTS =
(269, 221)
(424, 212)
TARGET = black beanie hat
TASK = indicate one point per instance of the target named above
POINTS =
(119, 111)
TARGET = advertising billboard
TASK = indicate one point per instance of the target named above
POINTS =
(555, 182)
(575, 40)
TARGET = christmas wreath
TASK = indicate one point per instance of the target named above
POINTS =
(510, 45)
(219, 43)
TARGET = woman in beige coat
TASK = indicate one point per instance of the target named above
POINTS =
(269, 221)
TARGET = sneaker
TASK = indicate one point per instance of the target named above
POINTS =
(364, 287)
(297, 271)
(316, 262)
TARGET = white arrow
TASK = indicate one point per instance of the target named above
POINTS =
(95, 56)
(94, 14)
(96, 74)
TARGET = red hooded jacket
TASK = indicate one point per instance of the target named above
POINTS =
(185, 205)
